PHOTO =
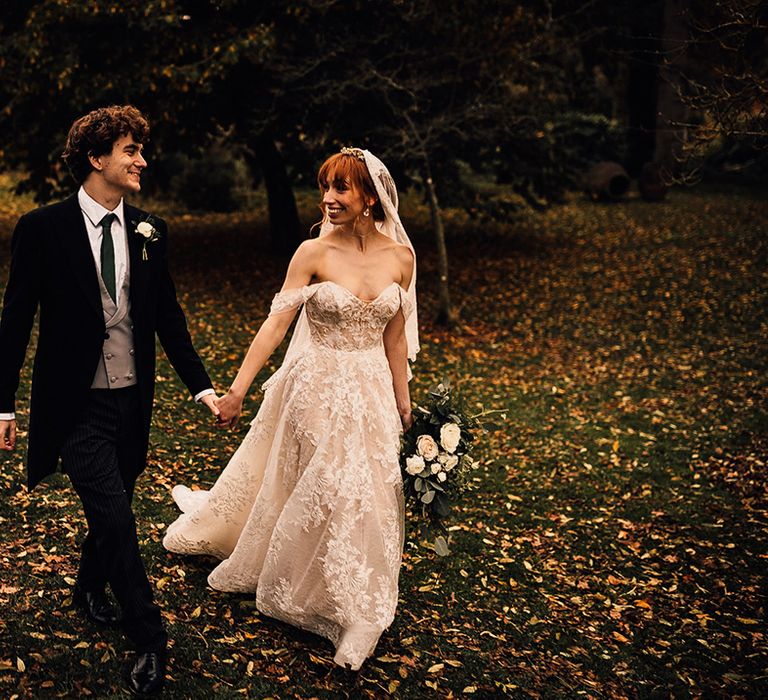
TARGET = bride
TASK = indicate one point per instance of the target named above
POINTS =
(308, 514)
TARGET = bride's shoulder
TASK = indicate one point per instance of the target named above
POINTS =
(405, 261)
(304, 264)
(310, 250)
(403, 253)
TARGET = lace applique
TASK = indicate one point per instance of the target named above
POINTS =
(291, 299)
(308, 514)
(405, 303)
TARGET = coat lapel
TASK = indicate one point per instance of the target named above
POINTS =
(80, 254)
(138, 267)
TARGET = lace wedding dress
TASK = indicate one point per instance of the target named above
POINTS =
(308, 514)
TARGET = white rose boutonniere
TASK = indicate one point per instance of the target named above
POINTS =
(450, 434)
(149, 233)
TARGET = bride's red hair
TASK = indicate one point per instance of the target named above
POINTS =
(344, 168)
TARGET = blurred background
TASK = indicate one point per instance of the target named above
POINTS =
(488, 105)
(585, 185)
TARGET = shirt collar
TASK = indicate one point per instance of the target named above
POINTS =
(95, 211)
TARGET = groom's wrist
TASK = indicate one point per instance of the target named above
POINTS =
(204, 392)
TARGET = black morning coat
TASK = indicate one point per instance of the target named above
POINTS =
(52, 267)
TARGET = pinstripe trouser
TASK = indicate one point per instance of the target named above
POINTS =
(102, 459)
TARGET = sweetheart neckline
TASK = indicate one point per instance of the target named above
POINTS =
(352, 294)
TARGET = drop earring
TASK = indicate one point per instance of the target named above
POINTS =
(367, 211)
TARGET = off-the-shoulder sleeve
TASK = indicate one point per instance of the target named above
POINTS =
(406, 303)
(290, 299)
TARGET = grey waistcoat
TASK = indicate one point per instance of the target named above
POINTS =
(117, 366)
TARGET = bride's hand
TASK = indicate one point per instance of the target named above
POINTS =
(406, 418)
(230, 407)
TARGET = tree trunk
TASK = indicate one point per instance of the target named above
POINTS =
(446, 316)
(672, 112)
(642, 85)
(285, 232)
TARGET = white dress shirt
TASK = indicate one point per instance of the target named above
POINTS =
(93, 213)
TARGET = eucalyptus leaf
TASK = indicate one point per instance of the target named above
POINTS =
(440, 506)
(435, 485)
(428, 497)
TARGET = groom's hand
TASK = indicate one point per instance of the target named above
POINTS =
(7, 435)
(230, 407)
(210, 402)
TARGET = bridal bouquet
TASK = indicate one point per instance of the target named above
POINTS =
(435, 457)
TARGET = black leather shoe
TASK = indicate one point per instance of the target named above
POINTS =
(96, 606)
(147, 675)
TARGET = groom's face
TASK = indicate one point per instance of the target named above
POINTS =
(121, 169)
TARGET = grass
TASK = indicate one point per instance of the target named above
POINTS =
(615, 544)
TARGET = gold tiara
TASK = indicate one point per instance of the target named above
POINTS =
(354, 152)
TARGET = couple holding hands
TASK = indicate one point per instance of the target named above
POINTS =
(308, 513)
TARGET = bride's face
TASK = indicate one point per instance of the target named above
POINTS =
(342, 202)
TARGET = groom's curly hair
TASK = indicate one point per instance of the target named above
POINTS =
(96, 132)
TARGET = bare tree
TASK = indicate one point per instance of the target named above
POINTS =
(671, 111)
(723, 78)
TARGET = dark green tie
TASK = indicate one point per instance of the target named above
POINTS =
(108, 255)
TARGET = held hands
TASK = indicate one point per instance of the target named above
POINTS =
(7, 435)
(230, 406)
(209, 400)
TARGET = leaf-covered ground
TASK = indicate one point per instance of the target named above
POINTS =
(615, 545)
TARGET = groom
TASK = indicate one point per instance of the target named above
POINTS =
(100, 279)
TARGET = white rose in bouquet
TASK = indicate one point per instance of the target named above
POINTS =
(435, 468)
(450, 463)
(442, 476)
(450, 434)
(414, 465)
(426, 447)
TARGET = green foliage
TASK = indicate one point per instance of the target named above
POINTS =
(542, 168)
(216, 180)
(266, 69)
(173, 63)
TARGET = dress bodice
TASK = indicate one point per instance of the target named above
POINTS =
(338, 319)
